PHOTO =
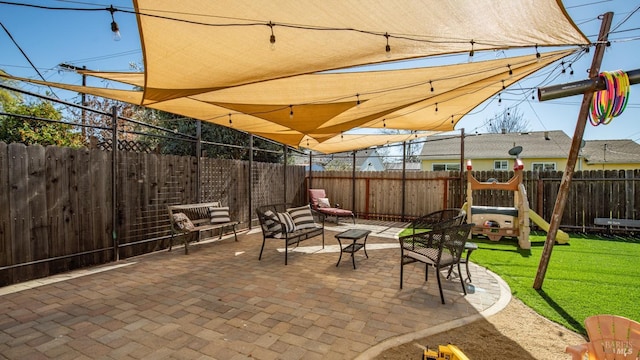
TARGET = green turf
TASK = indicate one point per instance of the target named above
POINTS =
(585, 277)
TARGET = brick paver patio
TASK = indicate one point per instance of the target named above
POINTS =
(220, 302)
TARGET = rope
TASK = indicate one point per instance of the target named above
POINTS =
(610, 103)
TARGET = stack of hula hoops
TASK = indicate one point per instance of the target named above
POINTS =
(612, 101)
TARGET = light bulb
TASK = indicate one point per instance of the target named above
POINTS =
(116, 31)
(387, 48)
(272, 38)
(114, 25)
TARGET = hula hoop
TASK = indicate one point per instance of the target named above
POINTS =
(612, 101)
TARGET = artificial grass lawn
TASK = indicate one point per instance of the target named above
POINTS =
(587, 276)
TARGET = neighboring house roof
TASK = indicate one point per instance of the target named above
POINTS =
(398, 166)
(368, 159)
(611, 151)
(535, 144)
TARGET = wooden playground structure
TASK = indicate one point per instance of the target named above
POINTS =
(496, 222)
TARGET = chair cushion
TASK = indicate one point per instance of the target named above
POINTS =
(302, 217)
(183, 222)
(336, 212)
(324, 203)
(219, 215)
(272, 224)
(286, 219)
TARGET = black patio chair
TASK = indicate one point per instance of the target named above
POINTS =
(438, 219)
(440, 248)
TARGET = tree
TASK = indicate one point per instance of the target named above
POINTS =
(28, 129)
(413, 147)
(510, 120)
(210, 133)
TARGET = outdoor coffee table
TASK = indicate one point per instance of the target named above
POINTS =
(354, 235)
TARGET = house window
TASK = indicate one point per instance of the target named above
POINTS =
(543, 166)
(501, 165)
(445, 167)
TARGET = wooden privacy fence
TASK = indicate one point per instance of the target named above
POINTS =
(379, 195)
(58, 205)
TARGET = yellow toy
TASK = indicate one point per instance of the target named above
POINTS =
(445, 352)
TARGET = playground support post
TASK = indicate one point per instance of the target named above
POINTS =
(563, 192)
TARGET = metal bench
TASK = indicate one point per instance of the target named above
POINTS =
(618, 224)
(274, 228)
(200, 216)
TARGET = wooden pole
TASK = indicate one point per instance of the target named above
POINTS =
(114, 184)
(461, 197)
(563, 192)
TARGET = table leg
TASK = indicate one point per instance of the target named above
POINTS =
(469, 251)
(340, 247)
(353, 253)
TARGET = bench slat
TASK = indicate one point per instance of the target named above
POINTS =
(617, 222)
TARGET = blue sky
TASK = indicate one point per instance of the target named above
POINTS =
(81, 38)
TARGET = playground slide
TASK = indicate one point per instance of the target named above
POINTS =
(561, 237)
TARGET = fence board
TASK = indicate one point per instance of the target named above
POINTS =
(36, 187)
(19, 210)
(6, 245)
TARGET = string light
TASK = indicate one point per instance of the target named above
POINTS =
(387, 48)
(290, 111)
(533, 95)
(272, 38)
(114, 25)
(537, 54)
(230, 122)
(499, 99)
(503, 87)
(510, 71)
(563, 68)
(452, 119)
(570, 70)
(436, 107)
(431, 84)
(384, 123)
(471, 53)
(357, 100)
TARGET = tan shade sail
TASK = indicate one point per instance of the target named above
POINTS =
(261, 66)
(348, 142)
(308, 110)
(204, 44)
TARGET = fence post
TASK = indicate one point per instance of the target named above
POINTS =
(250, 178)
(198, 155)
(114, 181)
(310, 169)
(404, 178)
(353, 184)
(284, 150)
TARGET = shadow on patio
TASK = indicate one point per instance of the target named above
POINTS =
(221, 302)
